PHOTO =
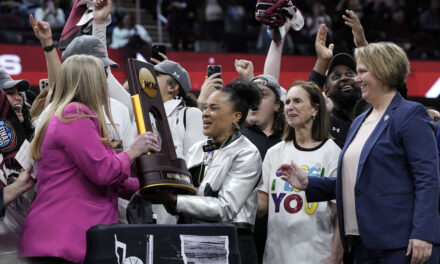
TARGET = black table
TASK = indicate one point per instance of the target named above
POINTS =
(147, 244)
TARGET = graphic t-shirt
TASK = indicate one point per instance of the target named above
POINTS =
(298, 231)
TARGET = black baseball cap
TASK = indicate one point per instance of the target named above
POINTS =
(342, 59)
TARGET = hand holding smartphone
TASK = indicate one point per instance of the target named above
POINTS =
(155, 49)
(214, 69)
(44, 84)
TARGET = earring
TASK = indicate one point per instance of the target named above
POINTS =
(313, 117)
(236, 125)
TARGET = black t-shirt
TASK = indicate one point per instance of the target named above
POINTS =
(259, 139)
(340, 125)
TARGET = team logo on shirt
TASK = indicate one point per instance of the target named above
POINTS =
(8, 138)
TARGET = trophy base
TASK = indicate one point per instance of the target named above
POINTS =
(154, 172)
(175, 188)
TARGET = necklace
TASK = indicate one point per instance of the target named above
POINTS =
(210, 162)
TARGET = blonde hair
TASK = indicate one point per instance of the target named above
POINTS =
(386, 60)
(82, 80)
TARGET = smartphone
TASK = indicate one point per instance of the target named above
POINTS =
(214, 69)
(44, 84)
(155, 49)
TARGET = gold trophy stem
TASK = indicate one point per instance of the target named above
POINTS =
(140, 122)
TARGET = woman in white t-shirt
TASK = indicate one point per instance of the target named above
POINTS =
(298, 231)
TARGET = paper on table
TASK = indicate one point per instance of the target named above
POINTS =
(205, 249)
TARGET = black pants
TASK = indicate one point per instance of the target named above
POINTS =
(47, 260)
(246, 246)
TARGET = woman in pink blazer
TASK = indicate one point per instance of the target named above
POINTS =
(80, 176)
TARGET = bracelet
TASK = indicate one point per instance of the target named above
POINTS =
(49, 48)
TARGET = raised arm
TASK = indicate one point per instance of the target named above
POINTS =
(324, 55)
(101, 16)
(352, 20)
(53, 63)
(272, 65)
(101, 12)
(211, 84)
(245, 68)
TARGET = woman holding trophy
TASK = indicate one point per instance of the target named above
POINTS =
(226, 168)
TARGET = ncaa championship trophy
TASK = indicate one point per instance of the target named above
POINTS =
(160, 169)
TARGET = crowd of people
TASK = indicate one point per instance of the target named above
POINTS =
(348, 175)
(230, 26)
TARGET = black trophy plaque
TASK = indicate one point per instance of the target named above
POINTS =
(160, 169)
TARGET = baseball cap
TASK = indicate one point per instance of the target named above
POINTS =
(88, 45)
(269, 81)
(342, 59)
(6, 82)
(174, 69)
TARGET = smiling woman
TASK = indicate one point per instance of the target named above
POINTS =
(226, 168)
(387, 185)
(308, 143)
(10, 227)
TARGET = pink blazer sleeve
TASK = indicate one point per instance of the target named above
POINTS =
(128, 188)
(81, 141)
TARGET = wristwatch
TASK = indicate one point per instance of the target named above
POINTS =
(49, 48)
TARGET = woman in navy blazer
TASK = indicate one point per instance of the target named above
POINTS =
(387, 186)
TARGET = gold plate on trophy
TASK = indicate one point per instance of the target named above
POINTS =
(148, 83)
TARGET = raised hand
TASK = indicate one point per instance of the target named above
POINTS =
(154, 61)
(293, 174)
(42, 31)
(352, 20)
(323, 52)
(245, 68)
(101, 10)
(211, 84)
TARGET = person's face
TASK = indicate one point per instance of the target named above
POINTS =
(342, 88)
(266, 110)
(126, 21)
(369, 83)
(164, 86)
(298, 108)
(16, 101)
(219, 116)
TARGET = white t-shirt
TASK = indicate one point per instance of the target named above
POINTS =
(297, 231)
